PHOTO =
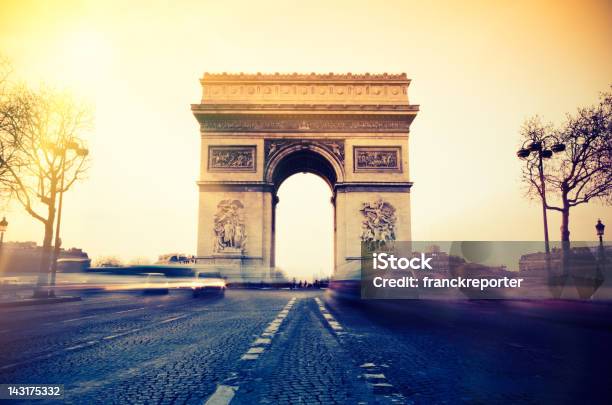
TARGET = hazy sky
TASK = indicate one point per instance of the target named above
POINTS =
(478, 68)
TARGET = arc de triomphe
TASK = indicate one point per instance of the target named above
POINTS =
(259, 129)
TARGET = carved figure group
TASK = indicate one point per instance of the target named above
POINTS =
(228, 158)
(377, 159)
(229, 227)
(379, 222)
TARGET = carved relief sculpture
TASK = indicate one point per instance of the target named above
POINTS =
(231, 158)
(342, 124)
(379, 222)
(335, 146)
(377, 159)
(229, 227)
(304, 87)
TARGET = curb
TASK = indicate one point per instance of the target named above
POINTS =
(38, 301)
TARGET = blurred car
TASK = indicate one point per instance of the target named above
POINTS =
(155, 283)
(208, 284)
(12, 281)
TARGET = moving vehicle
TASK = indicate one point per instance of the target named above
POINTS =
(156, 283)
(208, 284)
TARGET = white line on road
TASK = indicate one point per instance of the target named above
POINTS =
(377, 380)
(85, 344)
(78, 319)
(223, 395)
(129, 310)
(48, 355)
(121, 334)
(91, 342)
(173, 319)
(329, 318)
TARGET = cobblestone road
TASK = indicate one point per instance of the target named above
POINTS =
(301, 347)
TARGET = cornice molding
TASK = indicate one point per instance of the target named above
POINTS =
(308, 89)
(345, 187)
(235, 186)
(369, 187)
(305, 123)
(210, 108)
(310, 77)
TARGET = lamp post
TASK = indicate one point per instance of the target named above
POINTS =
(56, 248)
(541, 149)
(3, 226)
(600, 227)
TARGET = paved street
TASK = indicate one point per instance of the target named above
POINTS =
(286, 346)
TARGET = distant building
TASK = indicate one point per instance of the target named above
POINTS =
(445, 265)
(175, 258)
(535, 263)
(24, 258)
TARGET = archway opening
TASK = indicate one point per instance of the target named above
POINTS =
(304, 244)
(304, 161)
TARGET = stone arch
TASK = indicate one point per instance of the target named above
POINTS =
(257, 130)
(304, 157)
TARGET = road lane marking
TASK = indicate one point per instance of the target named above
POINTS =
(329, 318)
(121, 334)
(223, 395)
(259, 345)
(129, 310)
(85, 344)
(173, 319)
(79, 346)
(48, 355)
(79, 319)
(377, 381)
(379, 376)
(20, 363)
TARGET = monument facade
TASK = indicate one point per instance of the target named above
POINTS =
(258, 129)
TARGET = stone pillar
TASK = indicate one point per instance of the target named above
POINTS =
(350, 217)
(247, 216)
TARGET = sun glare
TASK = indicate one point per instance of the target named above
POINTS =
(85, 57)
(304, 241)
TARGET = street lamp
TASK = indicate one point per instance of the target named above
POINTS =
(3, 226)
(600, 227)
(540, 149)
(82, 152)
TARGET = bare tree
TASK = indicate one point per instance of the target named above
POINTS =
(13, 115)
(52, 155)
(581, 169)
(537, 140)
(108, 261)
